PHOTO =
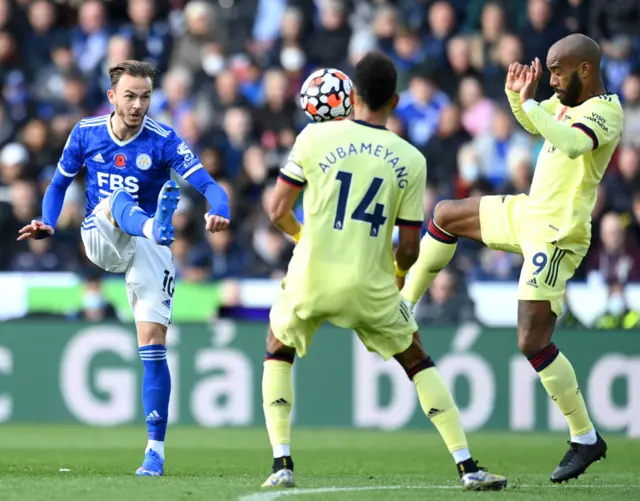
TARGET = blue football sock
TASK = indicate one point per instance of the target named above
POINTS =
(129, 216)
(156, 388)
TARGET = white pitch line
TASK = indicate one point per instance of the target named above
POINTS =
(269, 496)
(276, 494)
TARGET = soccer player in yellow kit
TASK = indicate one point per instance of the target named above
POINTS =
(361, 180)
(550, 227)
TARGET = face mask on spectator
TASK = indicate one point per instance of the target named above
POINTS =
(292, 59)
(469, 172)
(92, 301)
(212, 64)
(615, 305)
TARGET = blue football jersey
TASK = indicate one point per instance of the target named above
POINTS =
(140, 165)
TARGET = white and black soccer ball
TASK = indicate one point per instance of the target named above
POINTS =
(325, 95)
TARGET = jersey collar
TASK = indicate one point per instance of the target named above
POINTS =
(367, 124)
(127, 141)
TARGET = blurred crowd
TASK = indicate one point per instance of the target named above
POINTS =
(229, 74)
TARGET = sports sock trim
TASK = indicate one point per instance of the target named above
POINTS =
(282, 357)
(427, 363)
(439, 234)
(545, 357)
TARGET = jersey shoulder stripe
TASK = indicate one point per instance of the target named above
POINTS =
(162, 130)
(89, 120)
(159, 125)
(157, 130)
(98, 122)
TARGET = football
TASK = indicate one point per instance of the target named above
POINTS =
(325, 94)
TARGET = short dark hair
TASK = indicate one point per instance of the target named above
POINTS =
(375, 80)
(131, 67)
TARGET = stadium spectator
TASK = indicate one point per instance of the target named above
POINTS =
(519, 171)
(620, 186)
(477, 110)
(95, 307)
(91, 37)
(446, 303)
(458, 65)
(442, 149)
(150, 37)
(618, 314)
(618, 257)
(494, 146)
(631, 104)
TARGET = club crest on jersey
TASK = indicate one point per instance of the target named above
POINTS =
(185, 151)
(143, 161)
(120, 161)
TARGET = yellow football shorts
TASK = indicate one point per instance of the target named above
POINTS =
(387, 334)
(546, 268)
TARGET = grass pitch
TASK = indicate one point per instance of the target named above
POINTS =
(331, 465)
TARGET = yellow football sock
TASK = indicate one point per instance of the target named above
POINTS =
(437, 403)
(436, 251)
(559, 379)
(277, 400)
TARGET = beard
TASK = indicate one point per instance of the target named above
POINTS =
(130, 119)
(570, 96)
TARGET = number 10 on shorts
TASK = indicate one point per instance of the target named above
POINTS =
(168, 284)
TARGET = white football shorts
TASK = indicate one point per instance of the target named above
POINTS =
(148, 267)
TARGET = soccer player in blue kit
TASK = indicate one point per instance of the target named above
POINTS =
(130, 204)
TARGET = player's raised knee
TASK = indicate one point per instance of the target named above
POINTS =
(444, 214)
(458, 218)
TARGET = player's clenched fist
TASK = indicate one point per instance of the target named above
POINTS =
(37, 229)
(215, 223)
(516, 76)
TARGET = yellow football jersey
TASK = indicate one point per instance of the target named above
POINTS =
(360, 180)
(564, 190)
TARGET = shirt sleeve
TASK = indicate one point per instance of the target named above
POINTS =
(72, 158)
(411, 211)
(516, 107)
(179, 156)
(596, 125)
(293, 171)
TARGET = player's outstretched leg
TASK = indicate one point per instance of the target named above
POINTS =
(536, 322)
(136, 222)
(437, 403)
(156, 390)
(277, 401)
(451, 219)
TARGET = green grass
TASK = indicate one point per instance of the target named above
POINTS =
(230, 464)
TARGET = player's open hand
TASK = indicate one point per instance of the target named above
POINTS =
(215, 223)
(37, 229)
(516, 76)
(531, 80)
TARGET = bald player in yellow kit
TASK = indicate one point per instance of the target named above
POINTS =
(550, 227)
(360, 180)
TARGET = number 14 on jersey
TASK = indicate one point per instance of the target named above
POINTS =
(376, 218)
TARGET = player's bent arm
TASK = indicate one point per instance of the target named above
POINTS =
(521, 115)
(212, 191)
(573, 141)
(280, 209)
(54, 198)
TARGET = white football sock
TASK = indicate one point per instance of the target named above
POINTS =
(461, 455)
(281, 450)
(156, 446)
(588, 438)
(147, 228)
